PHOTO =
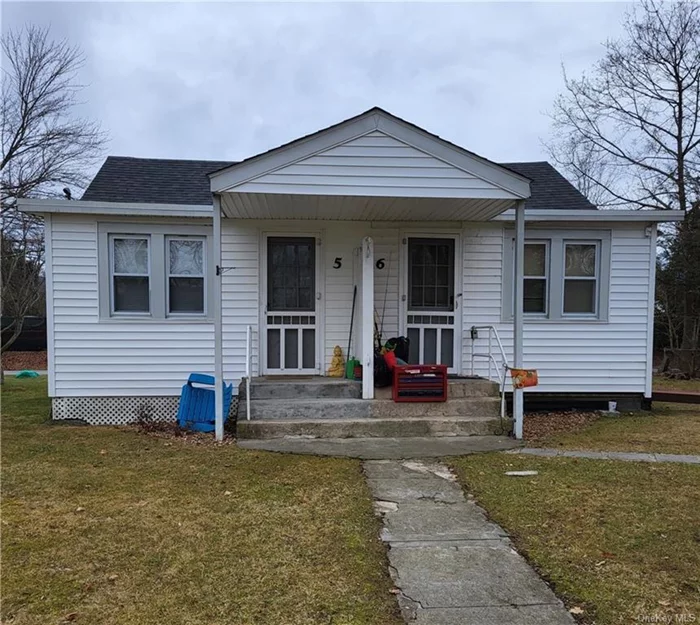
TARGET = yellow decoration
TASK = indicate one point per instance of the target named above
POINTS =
(337, 369)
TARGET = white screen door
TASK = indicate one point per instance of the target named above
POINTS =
(291, 315)
(431, 301)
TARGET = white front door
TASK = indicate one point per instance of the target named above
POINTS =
(292, 309)
(431, 299)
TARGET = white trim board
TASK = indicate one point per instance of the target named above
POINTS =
(594, 215)
(80, 207)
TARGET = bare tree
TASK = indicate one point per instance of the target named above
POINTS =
(636, 114)
(45, 147)
(628, 133)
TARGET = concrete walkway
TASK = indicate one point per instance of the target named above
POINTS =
(450, 564)
(383, 448)
(607, 455)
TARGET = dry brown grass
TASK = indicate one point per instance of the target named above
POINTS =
(669, 428)
(620, 539)
(109, 526)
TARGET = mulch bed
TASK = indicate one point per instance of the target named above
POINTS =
(17, 361)
(541, 425)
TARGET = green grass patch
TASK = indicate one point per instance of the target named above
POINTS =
(107, 525)
(620, 539)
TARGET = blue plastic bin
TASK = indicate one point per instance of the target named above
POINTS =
(196, 411)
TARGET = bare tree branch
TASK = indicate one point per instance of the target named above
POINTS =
(45, 148)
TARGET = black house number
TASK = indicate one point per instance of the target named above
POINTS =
(338, 262)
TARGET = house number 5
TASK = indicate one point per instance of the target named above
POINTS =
(337, 263)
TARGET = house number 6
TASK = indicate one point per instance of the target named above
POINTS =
(380, 263)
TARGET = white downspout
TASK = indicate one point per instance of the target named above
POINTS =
(367, 318)
(518, 296)
(218, 330)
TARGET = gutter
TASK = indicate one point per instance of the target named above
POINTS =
(127, 209)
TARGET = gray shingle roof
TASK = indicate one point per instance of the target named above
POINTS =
(548, 188)
(153, 181)
(165, 181)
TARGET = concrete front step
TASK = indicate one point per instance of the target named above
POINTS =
(371, 428)
(330, 388)
(325, 408)
(313, 388)
(333, 408)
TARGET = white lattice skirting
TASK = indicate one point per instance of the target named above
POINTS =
(119, 410)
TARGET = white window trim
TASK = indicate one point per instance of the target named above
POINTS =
(596, 278)
(555, 292)
(157, 234)
(113, 274)
(203, 276)
(546, 277)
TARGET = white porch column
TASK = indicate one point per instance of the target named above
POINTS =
(218, 330)
(518, 296)
(367, 318)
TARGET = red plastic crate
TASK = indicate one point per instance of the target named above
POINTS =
(420, 383)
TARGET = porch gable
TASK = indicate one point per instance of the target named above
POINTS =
(373, 155)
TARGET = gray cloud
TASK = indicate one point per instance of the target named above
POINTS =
(226, 81)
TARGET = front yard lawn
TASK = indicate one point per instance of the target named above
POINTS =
(107, 525)
(669, 429)
(619, 539)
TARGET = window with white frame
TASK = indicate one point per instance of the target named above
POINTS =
(566, 275)
(154, 271)
(186, 286)
(580, 278)
(130, 269)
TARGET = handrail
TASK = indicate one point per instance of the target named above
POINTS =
(248, 368)
(501, 371)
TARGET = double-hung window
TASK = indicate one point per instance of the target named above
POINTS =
(186, 284)
(566, 274)
(580, 278)
(130, 268)
(536, 277)
(154, 271)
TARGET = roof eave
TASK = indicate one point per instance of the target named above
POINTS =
(42, 206)
(572, 215)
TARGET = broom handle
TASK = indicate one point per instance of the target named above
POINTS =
(352, 320)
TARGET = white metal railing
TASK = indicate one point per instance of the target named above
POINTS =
(502, 369)
(248, 367)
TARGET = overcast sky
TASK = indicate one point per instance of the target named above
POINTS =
(226, 81)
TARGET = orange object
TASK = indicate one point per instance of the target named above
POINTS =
(390, 359)
(522, 378)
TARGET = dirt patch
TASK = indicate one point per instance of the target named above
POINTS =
(541, 425)
(17, 361)
(171, 431)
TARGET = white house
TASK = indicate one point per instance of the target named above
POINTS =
(166, 267)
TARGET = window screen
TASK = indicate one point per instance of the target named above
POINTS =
(130, 268)
(431, 272)
(291, 273)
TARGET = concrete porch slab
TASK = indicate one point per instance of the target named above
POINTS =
(384, 448)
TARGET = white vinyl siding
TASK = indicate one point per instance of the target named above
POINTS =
(93, 357)
(570, 356)
(375, 164)
(97, 357)
(240, 294)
